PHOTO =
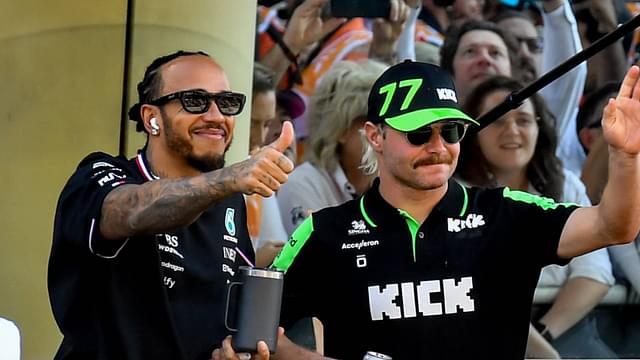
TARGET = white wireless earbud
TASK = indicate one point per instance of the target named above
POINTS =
(155, 129)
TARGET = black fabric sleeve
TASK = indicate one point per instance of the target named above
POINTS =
(539, 222)
(80, 204)
(302, 261)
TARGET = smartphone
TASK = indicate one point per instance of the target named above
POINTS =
(360, 8)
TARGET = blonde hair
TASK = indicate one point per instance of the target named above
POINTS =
(340, 98)
(369, 161)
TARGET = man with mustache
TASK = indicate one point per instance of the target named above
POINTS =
(420, 266)
(143, 249)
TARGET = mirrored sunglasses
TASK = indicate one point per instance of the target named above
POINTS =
(451, 132)
(199, 101)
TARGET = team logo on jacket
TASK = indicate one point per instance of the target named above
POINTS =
(229, 221)
(358, 227)
(472, 221)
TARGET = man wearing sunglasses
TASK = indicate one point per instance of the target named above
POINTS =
(421, 266)
(143, 249)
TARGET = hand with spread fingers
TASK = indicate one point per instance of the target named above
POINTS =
(265, 171)
(621, 118)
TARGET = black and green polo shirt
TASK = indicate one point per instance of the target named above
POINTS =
(460, 285)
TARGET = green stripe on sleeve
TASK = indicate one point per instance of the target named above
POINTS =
(525, 197)
(294, 245)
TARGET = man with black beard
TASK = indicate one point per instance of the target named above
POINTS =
(143, 248)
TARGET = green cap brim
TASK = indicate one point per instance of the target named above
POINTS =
(419, 118)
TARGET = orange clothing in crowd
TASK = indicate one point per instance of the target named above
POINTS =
(428, 34)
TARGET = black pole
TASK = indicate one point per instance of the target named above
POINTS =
(124, 112)
(517, 97)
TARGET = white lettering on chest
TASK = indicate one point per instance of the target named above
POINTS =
(383, 299)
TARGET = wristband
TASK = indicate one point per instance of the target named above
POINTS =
(543, 330)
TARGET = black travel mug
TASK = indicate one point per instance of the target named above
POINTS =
(258, 310)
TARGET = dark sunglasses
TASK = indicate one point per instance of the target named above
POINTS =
(451, 132)
(199, 101)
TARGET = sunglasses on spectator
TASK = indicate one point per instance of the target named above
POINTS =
(534, 44)
(451, 132)
(199, 101)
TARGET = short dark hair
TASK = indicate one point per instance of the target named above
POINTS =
(455, 33)
(544, 171)
(589, 111)
(264, 79)
(151, 84)
(506, 13)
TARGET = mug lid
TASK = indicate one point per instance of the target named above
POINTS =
(263, 273)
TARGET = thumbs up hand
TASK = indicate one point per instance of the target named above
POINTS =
(267, 169)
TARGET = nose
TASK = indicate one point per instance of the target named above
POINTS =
(510, 126)
(524, 50)
(213, 114)
(484, 58)
(436, 143)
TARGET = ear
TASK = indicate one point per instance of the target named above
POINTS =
(374, 136)
(148, 112)
(588, 137)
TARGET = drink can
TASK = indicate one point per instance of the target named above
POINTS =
(372, 355)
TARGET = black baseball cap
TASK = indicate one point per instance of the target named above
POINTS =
(412, 94)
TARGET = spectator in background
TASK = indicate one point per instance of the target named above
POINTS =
(595, 19)
(475, 51)
(588, 122)
(263, 218)
(435, 18)
(478, 50)
(331, 174)
(541, 51)
(438, 15)
(313, 42)
(288, 107)
(518, 151)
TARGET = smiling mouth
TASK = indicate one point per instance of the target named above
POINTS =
(510, 146)
(212, 133)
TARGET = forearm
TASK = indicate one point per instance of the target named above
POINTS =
(161, 204)
(406, 42)
(619, 208)
(277, 61)
(538, 347)
(628, 258)
(576, 298)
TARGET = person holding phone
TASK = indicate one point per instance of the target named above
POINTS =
(143, 248)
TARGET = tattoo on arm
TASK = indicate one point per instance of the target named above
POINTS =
(163, 204)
